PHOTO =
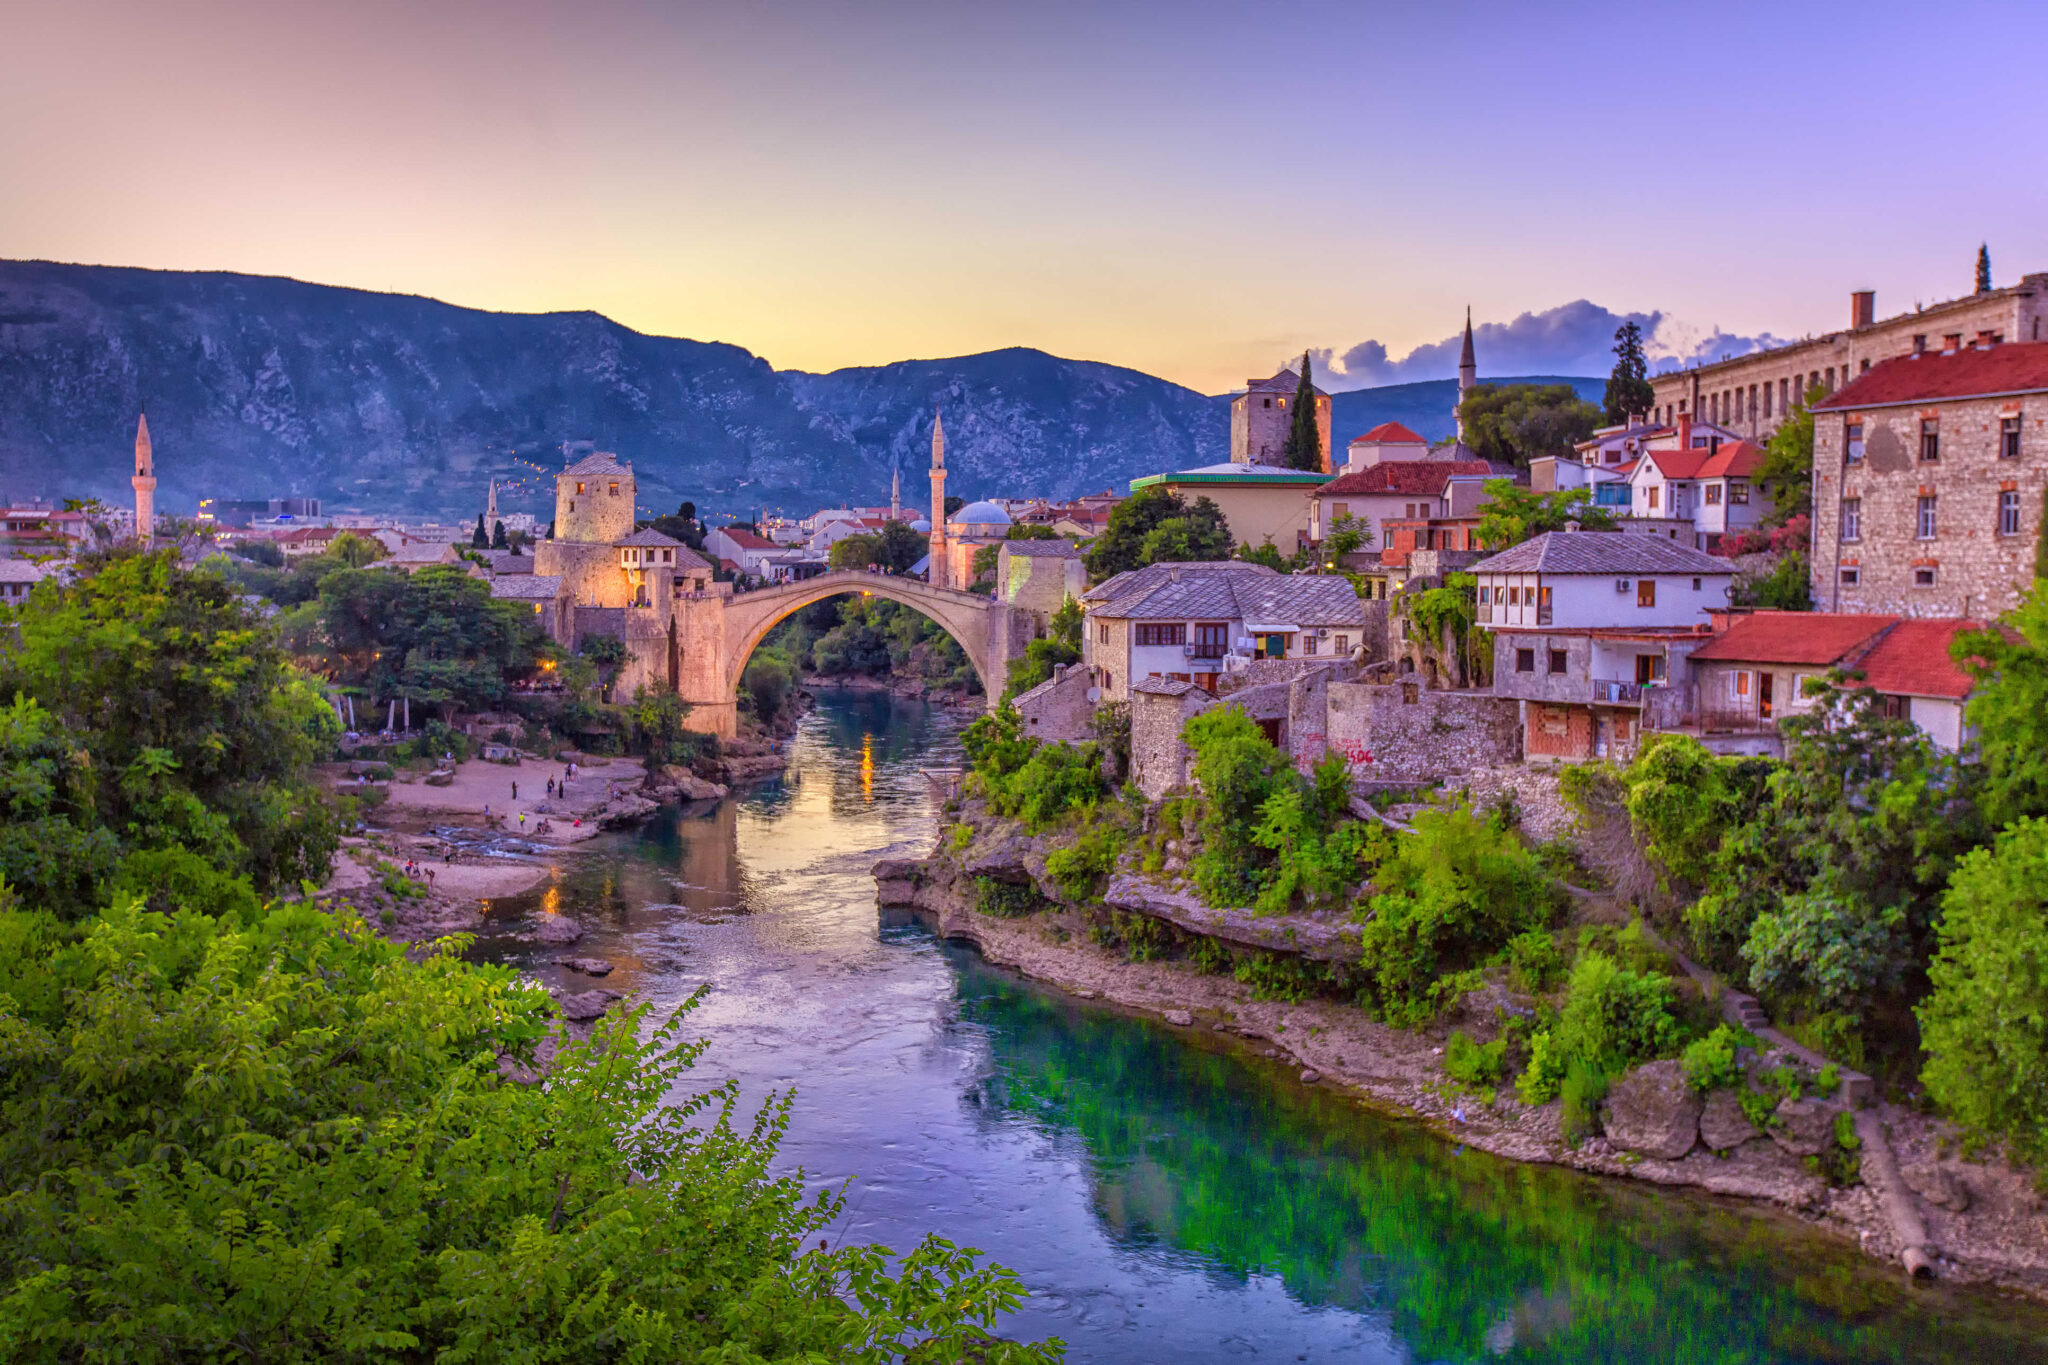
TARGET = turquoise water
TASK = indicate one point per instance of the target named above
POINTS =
(1163, 1197)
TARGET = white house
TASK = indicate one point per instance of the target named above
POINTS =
(1714, 488)
(1583, 622)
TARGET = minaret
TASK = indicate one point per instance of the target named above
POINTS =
(1468, 373)
(144, 481)
(937, 576)
(491, 508)
(896, 493)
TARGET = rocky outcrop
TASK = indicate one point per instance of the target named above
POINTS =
(673, 783)
(1804, 1127)
(558, 929)
(582, 1006)
(1723, 1125)
(589, 966)
(1653, 1111)
(627, 808)
(1324, 940)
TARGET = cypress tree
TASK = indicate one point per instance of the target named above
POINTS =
(480, 539)
(1984, 268)
(1628, 387)
(1304, 448)
(498, 536)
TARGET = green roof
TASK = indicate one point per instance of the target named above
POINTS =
(1239, 474)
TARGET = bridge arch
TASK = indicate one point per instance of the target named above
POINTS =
(716, 654)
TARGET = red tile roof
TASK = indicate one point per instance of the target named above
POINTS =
(1793, 637)
(1912, 660)
(1388, 431)
(1404, 478)
(1734, 460)
(2011, 367)
(745, 539)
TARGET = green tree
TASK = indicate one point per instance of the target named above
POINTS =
(54, 853)
(435, 636)
(355, 552)
(1515, 423)
(1628, 386)
(272, 1135)
(1193, 538)
(1984, 1025)
(1786, 471)
(1512, 514)
(1785, 588)
(1984, 268)
(480, 539)
(498, 536)
(198, 730)
(1304, 446)
(1125, 543)
(856, 551)
(608, 654)
(2008, 709)
(898, 547)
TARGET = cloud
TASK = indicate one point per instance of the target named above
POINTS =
(1575, 338)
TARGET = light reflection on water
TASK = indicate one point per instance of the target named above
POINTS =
(1164, 1198)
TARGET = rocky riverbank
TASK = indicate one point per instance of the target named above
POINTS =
(1978, 1220)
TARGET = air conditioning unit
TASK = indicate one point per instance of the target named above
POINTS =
(1187, 651)
(1621, 585)
(1322, 632)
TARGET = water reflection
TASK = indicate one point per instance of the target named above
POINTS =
(1164, 1199)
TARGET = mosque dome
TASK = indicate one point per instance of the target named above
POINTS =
(980, 514)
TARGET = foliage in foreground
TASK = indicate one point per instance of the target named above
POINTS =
(1613, 1017)
(271, 1136)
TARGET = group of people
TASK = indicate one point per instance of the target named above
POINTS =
(422, 872)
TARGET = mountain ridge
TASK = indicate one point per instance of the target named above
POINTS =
(262, 385)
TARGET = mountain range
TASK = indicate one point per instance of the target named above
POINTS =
(260, 387)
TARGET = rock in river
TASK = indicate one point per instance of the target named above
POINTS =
(1653, 1111)
(558, 929)
(1804, 1127)
(1723, 1125)
(1179, 1018)
(580, 1006)
(589, 966)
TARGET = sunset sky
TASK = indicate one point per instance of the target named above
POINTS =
(1196, 190)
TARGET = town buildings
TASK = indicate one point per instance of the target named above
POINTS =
(1584, 622)
(1260, 502)
(1752, 394)
(1196, 622)
(1929, 474)
(1404, 490)
(1713, 488)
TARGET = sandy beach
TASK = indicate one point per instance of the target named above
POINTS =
(481, 788)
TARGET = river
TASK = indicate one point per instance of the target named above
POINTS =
(1162, 1196)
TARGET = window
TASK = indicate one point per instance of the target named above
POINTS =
(1852, 442)
(1269, 402)
(1919, 345)
(1930, 440)
(2008, 438)
(579, 486)
(2009, 513)
(1343, 644)
(1852, 518)
(668, 556)
(1923, 576)
(1924, 525)
(1514, 596)
(1695, 585)
(1739, 683)
(1339, 510)
(1952, 341)
(1850, 575)
(1485, 596)
(1102, 632)
(1654, 490)
(615, 490)
(1167, 633)
(1646, 592)
(1212, 640)
(1738, 492)
(1557, 661)
(1713, 495)
(1525, 661)
(1310, 642)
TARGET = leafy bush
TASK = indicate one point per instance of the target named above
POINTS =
(1474, 1064)
(1143, 938)
(1533, 961)
(283, 1140)
(1208, 955)
(1451, 894)
(1985, 1023)
(1006, 900)
(1277, 976)
(1585, 1085)
(1709, 1062)
(1237, 768)
(1612, 1018)
(1079, 867)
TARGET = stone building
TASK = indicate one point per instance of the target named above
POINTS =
(1928, 479)
(1039, 576)
(1751, 394)
(1260, 418)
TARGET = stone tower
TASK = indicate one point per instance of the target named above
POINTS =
(491, 508)
(144, 482)
(896, 493)
(937, 574)
(594, 500)
(1468, 373)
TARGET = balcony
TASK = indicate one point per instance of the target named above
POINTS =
(1617, 693)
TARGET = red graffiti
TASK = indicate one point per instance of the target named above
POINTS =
(1355, 755)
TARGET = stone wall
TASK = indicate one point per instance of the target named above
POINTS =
(1537, 800)
(1403, 732)
(1159, 759)
(1970, 567)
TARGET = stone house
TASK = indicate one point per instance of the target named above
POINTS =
(1401, 490)
(1586, 625)
(1058, 710)
(1928, 479)
(1752, 394)
(1260, 418)
(1196, 622)
(1040, 575)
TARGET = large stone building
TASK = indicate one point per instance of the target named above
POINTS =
(599, 576)
(1928, 479)
(1751, 394)
(1261, 416)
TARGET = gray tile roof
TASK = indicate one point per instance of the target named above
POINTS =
(645, 536)
(1165, 687)
(1227, 591)
(1602, 552)
(504, 562)
(1043, 549)
(603, 464)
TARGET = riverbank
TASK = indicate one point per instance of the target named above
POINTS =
(1983, 1220)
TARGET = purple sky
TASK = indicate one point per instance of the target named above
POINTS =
(1196, 190)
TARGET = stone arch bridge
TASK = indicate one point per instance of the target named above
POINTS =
(716, 634)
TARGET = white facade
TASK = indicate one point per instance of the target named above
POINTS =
(1604, 601)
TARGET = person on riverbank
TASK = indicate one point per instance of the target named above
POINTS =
(515, 791)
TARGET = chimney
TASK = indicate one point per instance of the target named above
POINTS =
(1713, 445)
(1685, 431)
(1863, 308)
(1571, 527)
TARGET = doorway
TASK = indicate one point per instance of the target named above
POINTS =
(1763, 694)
